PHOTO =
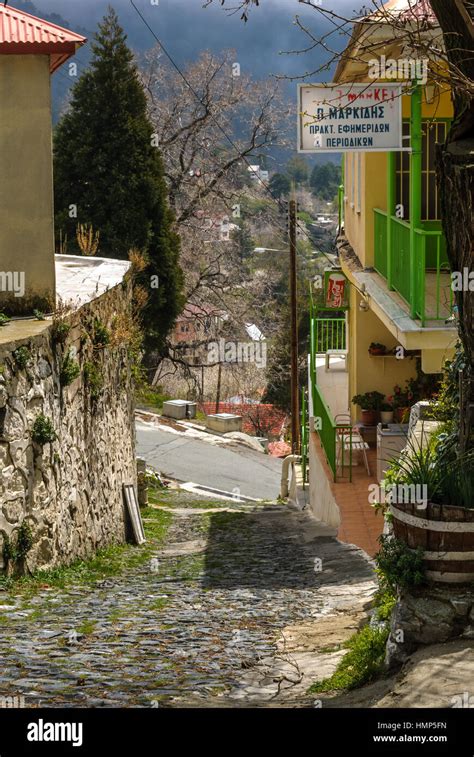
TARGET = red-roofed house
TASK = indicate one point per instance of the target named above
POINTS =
(30, 50)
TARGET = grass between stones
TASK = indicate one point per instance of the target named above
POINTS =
(363, 662)
(106, 563)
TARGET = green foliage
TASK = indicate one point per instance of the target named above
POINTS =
(447, 402)
(437, 465)
(106, 160)
(417, 466)
(150, 397)
(280, 185)
(398, 566)
(60, 331)
(70, 370)
(43, 431)
(297, 169)
(325, 180)
(101, 336)
(385, 601)
(363, 662)
(369, 400)
(38, 314)
(17, 551)
(22, 357)
(306, 217)
(93, 379)
(4, 319)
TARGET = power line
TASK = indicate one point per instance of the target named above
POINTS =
(213, 118)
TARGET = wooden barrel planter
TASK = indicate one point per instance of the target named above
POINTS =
(445, 533)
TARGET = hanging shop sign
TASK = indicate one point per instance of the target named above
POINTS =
(349, 118)
(336, 290)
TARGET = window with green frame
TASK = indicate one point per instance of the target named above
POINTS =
(433, 132)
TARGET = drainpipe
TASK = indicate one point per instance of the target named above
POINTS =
(415, 188)
(290, 459)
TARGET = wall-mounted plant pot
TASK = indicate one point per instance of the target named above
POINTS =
(369, 417)
(386, 416)
(377, 352)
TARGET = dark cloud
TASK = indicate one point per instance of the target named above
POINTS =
(186, 27)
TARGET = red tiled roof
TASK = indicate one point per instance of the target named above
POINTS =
(24, 34)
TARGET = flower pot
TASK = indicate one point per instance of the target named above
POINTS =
(369, 417)
(402, 414)
(377, 351)
(386, 416)
(449, 532)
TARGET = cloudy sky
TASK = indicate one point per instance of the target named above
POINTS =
(186, 27)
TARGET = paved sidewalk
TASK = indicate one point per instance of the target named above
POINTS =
(224, 613)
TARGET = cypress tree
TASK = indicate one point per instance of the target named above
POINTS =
(108, 167)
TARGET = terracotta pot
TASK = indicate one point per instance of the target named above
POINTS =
(377, 352)
(369, 417)
(386, 416)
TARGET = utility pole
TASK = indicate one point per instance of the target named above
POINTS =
(295, 424)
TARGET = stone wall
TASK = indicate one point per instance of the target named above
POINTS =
(70, 490)
(429, 615)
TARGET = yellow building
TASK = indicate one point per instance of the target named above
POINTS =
(31, 49)
(392, 252)
(391, 246)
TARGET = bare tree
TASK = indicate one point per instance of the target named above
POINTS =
(210, 125)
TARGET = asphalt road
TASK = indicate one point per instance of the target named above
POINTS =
(184, 459)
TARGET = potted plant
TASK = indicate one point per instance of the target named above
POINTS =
(375, 348)
(369, 404)
(386, 410)
(401, 404)
(433, 483)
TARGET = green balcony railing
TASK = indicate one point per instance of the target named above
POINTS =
(304, 437)
(329, 334)
(420, 275)
(326, 428)
(318, 409)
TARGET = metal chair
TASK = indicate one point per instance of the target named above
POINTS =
(349, 439)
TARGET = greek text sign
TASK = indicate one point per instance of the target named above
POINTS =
(349, 117)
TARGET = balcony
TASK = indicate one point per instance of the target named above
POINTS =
(415, 265)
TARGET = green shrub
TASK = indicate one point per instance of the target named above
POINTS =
(101, 336)
(69, 370)
(43, 431)
(398, 566)
(13, 552)
(4, 319)
(362, 663)
(60, 331)
(93, 379)
(22, 356)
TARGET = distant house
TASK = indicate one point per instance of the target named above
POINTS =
(198, 323)
(257, 174)
(218, 227)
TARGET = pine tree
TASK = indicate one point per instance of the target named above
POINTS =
(109, 169)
